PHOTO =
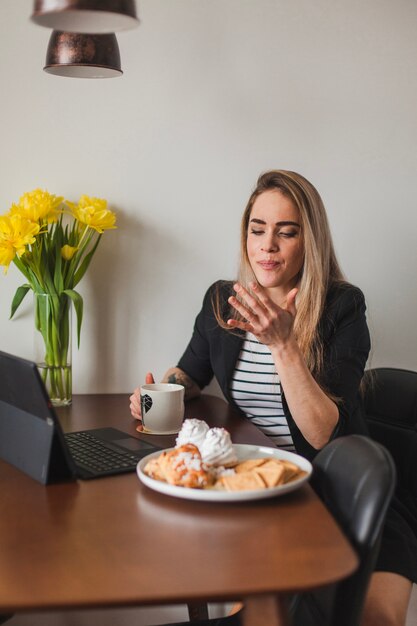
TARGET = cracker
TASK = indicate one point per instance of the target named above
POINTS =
(271, 463)
(243, 482)
(247, 466)
(272, 475)
(291, 470)
(299, 474)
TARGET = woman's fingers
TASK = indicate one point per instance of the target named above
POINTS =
(249, 308)
(135, 401)
(244, 311)
(254, 309)
(245, 326)
(135, 404)
(135, 408)
(269, 322)
(263, 298)
(255, 304)
(291, 307)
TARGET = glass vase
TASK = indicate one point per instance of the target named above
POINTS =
(53, 344)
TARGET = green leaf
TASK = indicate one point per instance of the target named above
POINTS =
(58, 280)
(34, 283)
(21, 266)
(78, 306)
(49, 285)
(18, 297)
(85, 263)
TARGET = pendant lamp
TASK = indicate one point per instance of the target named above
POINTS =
(86, 16)
(81, 55)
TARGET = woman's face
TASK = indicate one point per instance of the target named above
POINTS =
(274, 243)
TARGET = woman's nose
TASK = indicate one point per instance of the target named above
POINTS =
(270, 244)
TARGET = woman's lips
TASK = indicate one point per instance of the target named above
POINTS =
(268, 265)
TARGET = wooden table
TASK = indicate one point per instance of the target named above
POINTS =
(113, 542)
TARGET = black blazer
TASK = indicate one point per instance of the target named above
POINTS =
(213, 351)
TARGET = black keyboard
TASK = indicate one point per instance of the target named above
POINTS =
(97, 457)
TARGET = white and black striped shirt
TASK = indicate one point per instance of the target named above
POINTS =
(256, 389)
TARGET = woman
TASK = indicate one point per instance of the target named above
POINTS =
(288, 344)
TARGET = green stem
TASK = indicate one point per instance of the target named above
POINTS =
(52, 320)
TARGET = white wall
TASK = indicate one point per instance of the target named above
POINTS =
(214, 92)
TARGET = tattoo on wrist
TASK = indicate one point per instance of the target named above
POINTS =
(177, 377)
(181, 379)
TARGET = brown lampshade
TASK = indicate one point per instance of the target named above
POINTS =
(86, 16)
(81, 55)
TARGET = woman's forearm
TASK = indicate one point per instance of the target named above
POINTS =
(315, 414)
(176, 376)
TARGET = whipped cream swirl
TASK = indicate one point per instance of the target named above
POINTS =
(192, 431)
(217, 448)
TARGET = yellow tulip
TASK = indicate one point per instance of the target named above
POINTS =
(16, 233)
(7, 254)
(94, 213)
(67, 252)
(38, 206)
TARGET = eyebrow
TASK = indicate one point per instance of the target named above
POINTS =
(285, 223)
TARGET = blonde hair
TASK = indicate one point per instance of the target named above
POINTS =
(320, 268)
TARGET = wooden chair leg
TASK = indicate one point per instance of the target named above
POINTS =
(197, 611)
(268, 609)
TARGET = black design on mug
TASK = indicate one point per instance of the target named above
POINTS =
(145, 403)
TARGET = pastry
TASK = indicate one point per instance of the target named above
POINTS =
(183, 466)
(154, 469)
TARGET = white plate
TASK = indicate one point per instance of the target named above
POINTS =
(243, 452)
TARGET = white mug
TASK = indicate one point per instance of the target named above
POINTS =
(162, 406)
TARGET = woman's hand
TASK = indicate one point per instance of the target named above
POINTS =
(270, 323)
(173, 375)
(135, 401)
(315, 414)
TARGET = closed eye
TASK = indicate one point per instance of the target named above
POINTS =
(288, 234)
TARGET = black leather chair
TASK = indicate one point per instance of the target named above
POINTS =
(355, 477)
(390, 400)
